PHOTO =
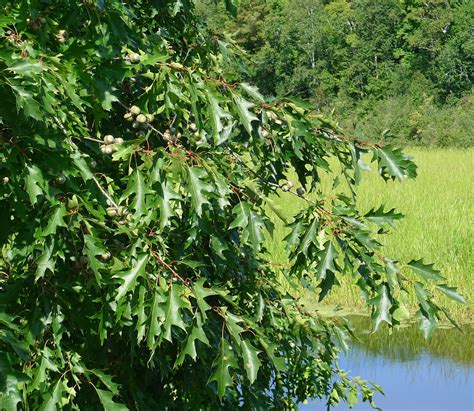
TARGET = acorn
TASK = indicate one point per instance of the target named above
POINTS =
(265, 133)
(103, 148)
(5, 180)
(300, 191)
(285, 188)
(61, 36)
(141, 119)
(150, 118)
(108, 150)
(278, 121)
(61, 179)
(109, 139)
(135, 110)
(167, 135)
(119, 140)
(192, 127)
(112, 211)
(134, 58)
(128, 116)
(178, 135)
(105, 256)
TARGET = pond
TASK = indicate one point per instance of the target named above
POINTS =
(415, 374)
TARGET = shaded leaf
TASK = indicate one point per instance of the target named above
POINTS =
(108, 403)
(251, 360)
(224, 361)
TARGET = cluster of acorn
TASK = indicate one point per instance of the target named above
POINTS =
(110, 144)
(139, 121)
(289, 185)
(114, 212)
(171, 135)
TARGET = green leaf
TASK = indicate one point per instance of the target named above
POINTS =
(26, 101)
(197, 334)
(157, 313)
(425, 270)
(10, 381)
(241, 211)
(380, 217)
(217, 114)
(309, 238)
(201, 293)
(82, 165)
(326, 263)
(394, 164)
(251, 224)
(34, 183)
(251, 360)
(245, 115)
(107, 402)
(56, 220)
(106, 94)
(164, 198)
(232, 6)
(224, 361)
(130, 277)
(138, 188)
(26, 67)
(392, 272)
(198, 188)
(252, 91)
(452, 293)
(107, 381)
(55, 399)
(45, 261)
(383, 304)
(174, 305)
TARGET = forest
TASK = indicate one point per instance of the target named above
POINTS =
(393, 71)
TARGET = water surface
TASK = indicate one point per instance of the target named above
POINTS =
(415, 375)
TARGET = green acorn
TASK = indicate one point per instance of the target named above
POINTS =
(109, 139)
(141, 119)
(134, 58)
(135, 110)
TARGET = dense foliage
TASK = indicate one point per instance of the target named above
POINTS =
(403, 67)
(135, 196)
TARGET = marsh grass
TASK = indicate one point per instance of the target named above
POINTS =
(438, 224)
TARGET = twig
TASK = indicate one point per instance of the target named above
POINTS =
(105, 193)
(268, 183)
(160, 260)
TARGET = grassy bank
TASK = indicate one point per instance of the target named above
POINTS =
(439, 210)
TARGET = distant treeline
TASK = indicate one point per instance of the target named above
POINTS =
(390, 70)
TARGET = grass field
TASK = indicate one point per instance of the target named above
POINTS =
(438, 223)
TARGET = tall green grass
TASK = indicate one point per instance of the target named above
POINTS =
(438, 224)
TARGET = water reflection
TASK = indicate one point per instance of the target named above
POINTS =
(415, 374)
